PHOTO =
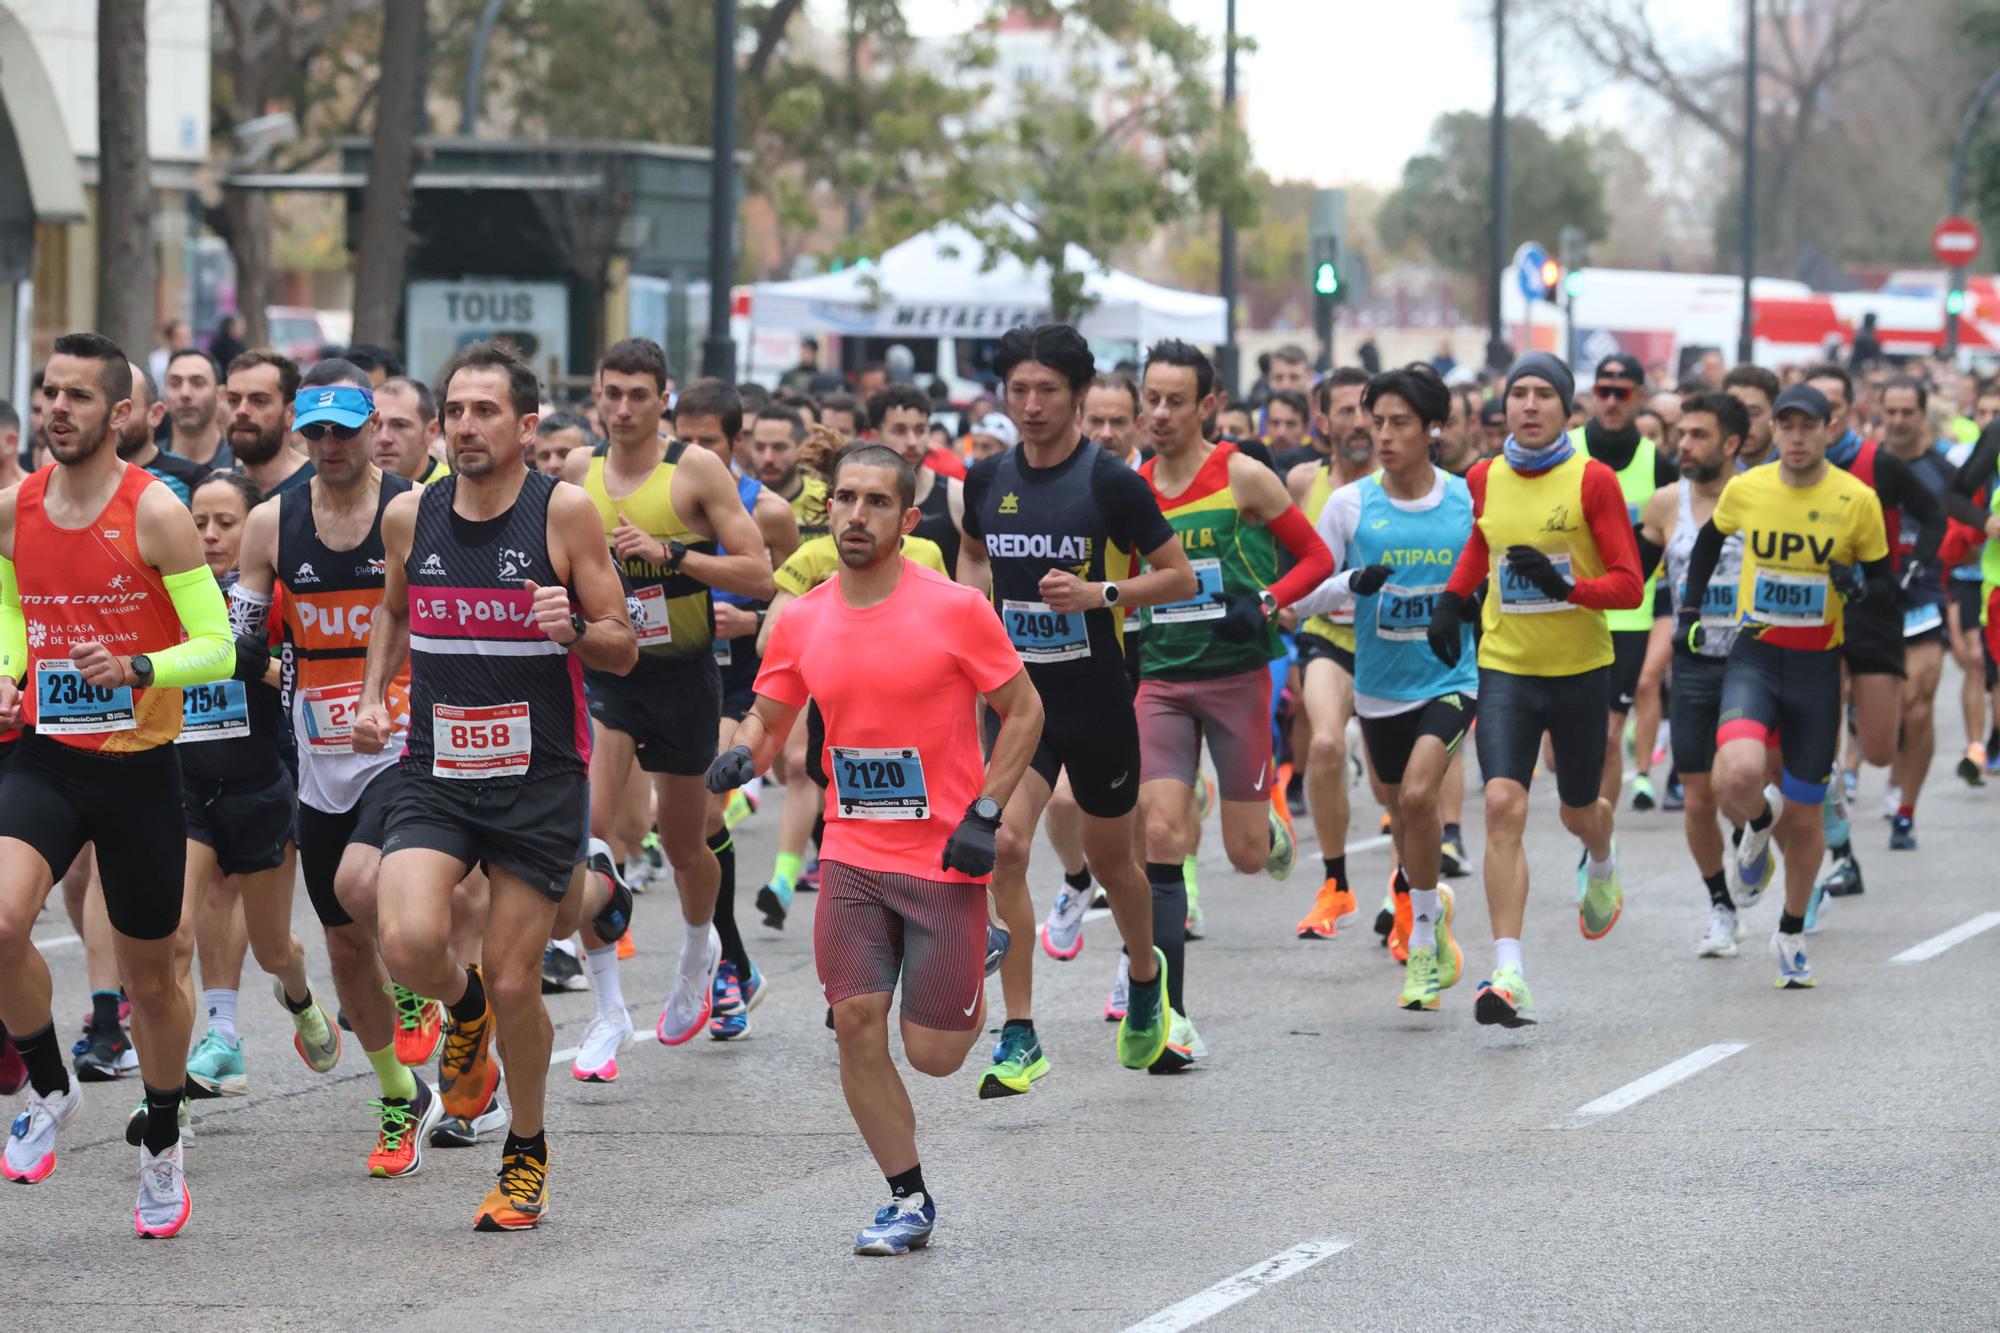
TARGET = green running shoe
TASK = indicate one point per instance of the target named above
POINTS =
(316, 1036)
(1601, 902)
(1184, 1048)
(1284, 849)
(1420, 981)
(1504, 999)
(215, 1069)
(1142, 1036)
(1017, 1062)
(1643, 795)
(1450, 958)
(1197, 923)
(739, 808)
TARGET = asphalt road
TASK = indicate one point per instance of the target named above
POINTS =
(1825, 1157)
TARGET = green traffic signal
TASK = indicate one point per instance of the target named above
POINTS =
(1954, 302)
(1573, 284)
(1326, 279)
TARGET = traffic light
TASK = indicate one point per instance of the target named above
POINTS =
(1326, 260)
(1552, 281)
(1954, 301)
(1573, 284)
(1326, 278)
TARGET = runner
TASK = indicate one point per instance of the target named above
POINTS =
(899, 417)
(95, 555)
(477, 607)
(669, 513)
(1567, 553)
(776, 434)
(1807, 525)
(406, 428)
(1756, 388)
(1204, 664)
(894, 657)
(1054, 526)
(260, 394)
(1709, 438)
(135, 442)
(193, 397)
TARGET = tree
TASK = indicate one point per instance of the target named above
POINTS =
(126, 272)
(384, 251)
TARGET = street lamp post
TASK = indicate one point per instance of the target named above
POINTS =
(1498, 223)
(718, 350)
(1959, 152)
(1746, 339)
(1227, 352)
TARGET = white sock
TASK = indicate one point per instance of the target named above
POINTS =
(1424, 909)
(694, 947)
(1597, 869)
(1507, 953)
(604, 978)
(221, 1011)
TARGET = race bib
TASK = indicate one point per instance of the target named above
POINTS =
(651, 623)
(217, 712)
(1404, 614)
(1796, 600)
(1201, 606)
(880, 784)
(1718, 601)
(1520, 597)
(471, 744)
(1917, 619)
(328, 712)
(1042, 635)
(68, 705)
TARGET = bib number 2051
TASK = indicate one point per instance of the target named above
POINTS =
(477, 743)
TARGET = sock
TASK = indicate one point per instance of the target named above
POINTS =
(905, 1183)
(221, 1010)
(1170, 925)
(471, 1006)
(604, 978)
(1026, 1025)
(1906, 811)
(1451, 833)
(1791, 925)
(398, 1083)
(104, 1008)
(786, 867)
(694, 946)
(42, 1053)
(535, 1145)
(1424, 909)
(163, 1118)
(1400, 883)
(1993, 739)
(1336, 868)
(724, 848)
(1718, 890)
(1079, 881)
(1188, 866)
(1762, 820)
(567, 946)
(296, 1006)
(1507, 953)
(1599, 869)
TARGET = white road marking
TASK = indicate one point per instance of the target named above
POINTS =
(1959, 934)
(58, 941)
(565, 1054)
(1641, 1088)
(1232, 1290)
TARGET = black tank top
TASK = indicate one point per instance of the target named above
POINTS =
(936, 524)
(231, 730)
(492, 698)
(336, 585)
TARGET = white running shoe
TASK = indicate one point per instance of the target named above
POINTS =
(693, 996)
(1794, 972)
(1756, 865)
(31, 1142)
(164, 1202)
(1719, 940)
(1062, 933)
(597, 1056)
(1121, 992)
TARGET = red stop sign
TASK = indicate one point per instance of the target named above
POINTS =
(1955, 242)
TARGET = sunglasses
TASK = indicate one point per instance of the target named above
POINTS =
(319, 430)
(1616, 393)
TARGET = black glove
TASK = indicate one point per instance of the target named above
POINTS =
(1847, 581)
(1535, 566)
(731, 769)
(1690, 630)
(970, 848)
(1243, 617)
(1443, 633)
(1368, 580)
(252, 659)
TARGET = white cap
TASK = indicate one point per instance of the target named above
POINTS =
(1000, 427)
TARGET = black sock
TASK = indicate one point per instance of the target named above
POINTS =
(301, 1006)
(536, 1145)
(1451, 833)
(1026, 1025)
(1763, 821)
(1841, 852)
(163, 1118)
(1718, 890)
(1993, 740)
(1079, 881)
(471, 1006)
(42, 1053)
(104, 1008)
(1401, 884)
(724, 847)
(1170, 925)
(819, 829)
(1791, 925)
(905, 1183)
(1336, 868)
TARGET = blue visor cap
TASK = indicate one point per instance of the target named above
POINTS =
(347, 405)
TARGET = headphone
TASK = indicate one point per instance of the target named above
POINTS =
(1437, 431)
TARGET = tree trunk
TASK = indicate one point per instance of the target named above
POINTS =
(249, 214)
(126, 266)
(384, 252)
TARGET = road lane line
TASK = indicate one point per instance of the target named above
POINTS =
(58, 941)
(1665, 1077)
(566, 1053)
(1959, 934)
(1232, 1290)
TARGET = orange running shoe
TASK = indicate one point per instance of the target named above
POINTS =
(468, 1075)
(1399, 933)
(1386, 823)
(1323, 921)
(626, 948)
(419, 1027)
(406, 1128)
(521, 1199)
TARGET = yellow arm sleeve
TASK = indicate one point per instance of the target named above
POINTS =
(210, 651)
(13, 626)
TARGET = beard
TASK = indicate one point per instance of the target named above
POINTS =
(256, 446)
(133, 439)
(1696, 470)
(79, 447)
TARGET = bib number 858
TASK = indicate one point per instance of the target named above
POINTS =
(481, 735)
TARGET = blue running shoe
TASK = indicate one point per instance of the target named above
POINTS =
(1816, 909)
(729, 1008)
(753, 988)
(1833, 816)
(998, 937)
(1903, 834)
(902, 1226)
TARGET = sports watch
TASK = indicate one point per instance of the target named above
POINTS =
(1111, 594)
(985, 809)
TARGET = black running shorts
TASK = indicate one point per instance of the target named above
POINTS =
(1874, 640)
(1789, 697)
(1391, 740)
(671, 716)
(324, 837)
(1628, 659)
(1090, 730)
(248, 824)
(531, 830)
(1694, 710)
(1575, 711)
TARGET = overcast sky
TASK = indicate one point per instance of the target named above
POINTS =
(1345, 90)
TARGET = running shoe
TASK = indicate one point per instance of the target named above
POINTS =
(1385, 919)
(809, 877)
(419, 1026)
(13, 1069)
(164, 1202)
(135, 1124)
(1100, 901)
(1143, 1036)
(1284, 849)
(1420, 980)
(1841, 878)
(520, 1200)
(1815, 910)
(30, 1154)
(1204, 796)
(1062, 933)
(638, 874)
(597, 1055)
(106, 1055)
(1399, 929)
(1451, 858)
(903, 1225)
(1794, 972)
(1184, 1047)
(774, 900)
(1451, 959)
(1333, 907)
(1674, 799)
(728, 1027)
(1196, 924)
(315, 1036)
(1756, 863)
(1903, 834)
(691, 1000)
(561, 971)
(998, 940)
(1850, 781)
(1120, 998)
(1429, 972)
(1992, 757)
(728, 1015)
(1892, 801)
(1724, 929)
(1386, 824)
(1017, 1062)
(1643, 795)
(1602, 902)
(406, 1126)
(655, 856)
(215, 1069)
(614, 919)
(1504, 999)
(628, 946)
(740, 806)
(468, 1075)
(1972, 768)
(459, 1132)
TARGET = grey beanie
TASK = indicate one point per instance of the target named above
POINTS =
(1546, 366)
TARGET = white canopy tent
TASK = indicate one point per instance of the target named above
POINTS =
(931, 286)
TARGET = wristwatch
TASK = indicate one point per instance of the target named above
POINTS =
(985, 809)
(578, 626)
(142, 670)
(676, 552)
(1266, 600)
(1111, 594)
